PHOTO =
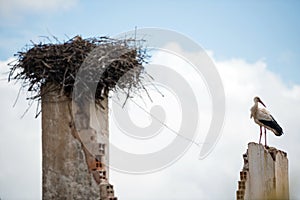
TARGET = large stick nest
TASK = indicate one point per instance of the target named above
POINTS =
(109, 63)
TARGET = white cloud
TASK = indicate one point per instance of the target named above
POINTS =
(20, 143)
(215, 177)
(14, 8)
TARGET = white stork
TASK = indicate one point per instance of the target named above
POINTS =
(264, 119)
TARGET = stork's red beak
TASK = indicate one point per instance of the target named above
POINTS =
(261, 102)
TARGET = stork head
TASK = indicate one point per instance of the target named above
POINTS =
(257, 100)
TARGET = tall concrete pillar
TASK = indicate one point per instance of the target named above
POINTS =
(75, 163)
(264, 175)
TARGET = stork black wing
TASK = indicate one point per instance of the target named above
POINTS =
(274, 125)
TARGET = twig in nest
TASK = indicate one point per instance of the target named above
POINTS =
(107, 62)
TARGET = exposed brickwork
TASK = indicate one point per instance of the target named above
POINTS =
(71, 170)
(264, 174)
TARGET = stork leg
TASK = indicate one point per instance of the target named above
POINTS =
(265, 136)
(260, 134)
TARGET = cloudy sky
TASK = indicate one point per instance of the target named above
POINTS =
(255, 47)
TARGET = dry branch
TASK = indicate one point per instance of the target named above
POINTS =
(108, 63)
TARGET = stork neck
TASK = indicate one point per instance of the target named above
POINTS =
(254, 108)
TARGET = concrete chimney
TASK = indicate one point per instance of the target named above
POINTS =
(264, 175)
(71, 169)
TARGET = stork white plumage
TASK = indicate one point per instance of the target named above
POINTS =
(264, 119)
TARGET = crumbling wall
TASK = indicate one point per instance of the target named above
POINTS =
(74, 165)
(264, 175)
